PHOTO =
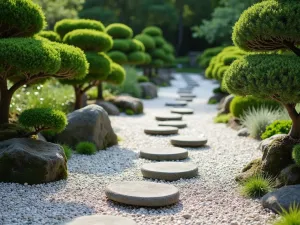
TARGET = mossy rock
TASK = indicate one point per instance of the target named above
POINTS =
(251, 169)
(9, 131)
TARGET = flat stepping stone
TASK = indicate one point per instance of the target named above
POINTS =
(164, 153)
(169, 171)
(161, 130)
(168, 117)
(184, 92)
(188, 141)
(101, 220)
(182, 111)
(184, 99)
(176, 103)
(187, 96)
(143, 193)
(178, 124)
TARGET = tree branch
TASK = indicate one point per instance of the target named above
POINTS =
(92, 84)
(292, 47)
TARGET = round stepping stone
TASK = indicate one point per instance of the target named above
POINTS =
(188, 141)
(161, 130)
(142, 193)
(182, 111)
(187, 96)
(160, 154)
(168, 117)
(169, 171)
(101, 220)
(178, 124)
(176, 103)
(184, 99)
(184, 92)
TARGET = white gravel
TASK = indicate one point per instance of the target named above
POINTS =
(213, 198)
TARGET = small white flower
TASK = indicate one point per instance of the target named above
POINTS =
(36, 93)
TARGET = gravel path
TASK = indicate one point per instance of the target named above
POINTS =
(211, 199)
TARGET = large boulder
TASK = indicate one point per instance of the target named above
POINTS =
(149, 90)
(110, 108)
(12, 130)
(283, 198)
(265, 143)
(91, 124)
(25, 160)
(250, 170)
(128, 103)
(289, 176)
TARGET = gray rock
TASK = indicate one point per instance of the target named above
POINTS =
(41, 137)
(169, 171)
(142, 193)
(101, 220)
(284, 197)
(243, 132)
(184, 111)
(265, 143)
(128, 103)
(217, 97)
(187, 96)
(251, 169)
(289, 176)
(160, 154)
(91, 124)
(225, 106)
(161, 130)
(168, 117)
(187, 99)
(188, 141)
(178, 124)
(176, 103)
(25, 160)
(110, 108)
(149, 90)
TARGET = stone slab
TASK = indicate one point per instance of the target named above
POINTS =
(176, 103)
(184, 99)
(178, 124)
(188, 141)
(143, 193)
(182, 111)
(164, 153)
(187, 96)
(169, 171)
(161, 130)
(101, 220)
(167, 117)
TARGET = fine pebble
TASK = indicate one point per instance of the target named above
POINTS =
(212, 198)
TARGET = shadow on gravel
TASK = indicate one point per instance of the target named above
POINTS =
(106, 162)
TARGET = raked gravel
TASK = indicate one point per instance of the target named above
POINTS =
(212, 198)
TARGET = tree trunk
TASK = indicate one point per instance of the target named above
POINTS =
(295, 130)
(100, 92)
(5, 100)
(180, 32)
(78, 98)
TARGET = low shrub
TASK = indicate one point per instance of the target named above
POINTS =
(256, 120)
(241, 105)
(129, 112)
(86, 148)
(277, 127)
(68, 151)
(212, 101)
(142, 79)
(256, 186)
(224, 118)
(296, 154)
(218, 90)
(290, 217)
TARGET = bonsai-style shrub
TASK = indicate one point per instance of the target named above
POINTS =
(205, 58)
(42, 119)
(50, 35)
(86, 148)
(88, 35)
(269, 26)
(277, 127)
(25, 59)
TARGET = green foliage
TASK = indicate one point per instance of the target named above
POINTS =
(153, 31)
(142, 79)
(119, 31)
(265, 76)
(157, 63)
(140, 45)
(136, 57)
(158, 53)
(50, 35)
(207, 55)
(68, 151)
(107, 16)
(257, 186)
(218, 90)
(100, 65)
(277, 127)
(118, 57)
(43, 119)
(121, 45)
(147, 40)
(267, 25)
(86, 148)
(289, 217)
(89, 40)
(296, 154)
(67, 25)
(20, 18)
(224, 118)
(183, 60)
(256, 120)
(212, 101)
(159, 41)
(129, 112)
(117, 75)
(240, 105)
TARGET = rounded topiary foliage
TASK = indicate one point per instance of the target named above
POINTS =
(147, 41)
(138, 45)
(43, 119)
(50, 35)
(277, 127)
(100, 65)
(20, 18)
(137, 57)
(158, 53)
(153, 31)
(148, 58)
(67, 25)
(89, 40)
(296, 154)
(86, 148)
(142, 79)
(118, 57)
(121, 45)
(119, 31)
(157, 63)
(205, 58)
(273, 23)
(159, 41)
(117, 75)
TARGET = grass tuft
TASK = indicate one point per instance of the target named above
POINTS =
(256, 186)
